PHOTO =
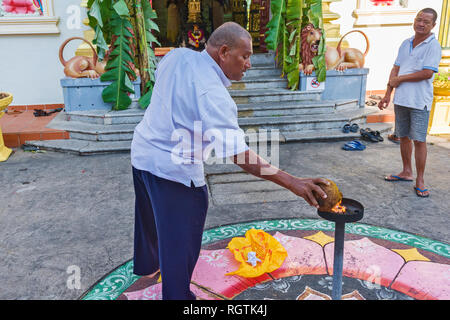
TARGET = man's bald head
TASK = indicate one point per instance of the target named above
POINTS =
(228, 34)
(230, 46)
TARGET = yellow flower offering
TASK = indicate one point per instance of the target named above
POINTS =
(258, 253)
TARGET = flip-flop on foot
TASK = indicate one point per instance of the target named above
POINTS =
(420, 192)
(393, 178)
(392, 137)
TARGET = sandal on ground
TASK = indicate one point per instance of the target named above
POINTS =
(354, 127)
(353, 146)
(367, 134)
(40, 113)
(419, 192)
(377, 135)
(346, 128)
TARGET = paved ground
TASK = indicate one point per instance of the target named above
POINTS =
(61, 210)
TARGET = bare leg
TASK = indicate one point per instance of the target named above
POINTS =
(420, 153)
(406, 153)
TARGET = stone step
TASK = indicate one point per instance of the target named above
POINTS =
(252, 83)
(262, 71)
(305, 122)
(333, 134)
(81, 147)
(257, 60)
(93, 131)
(262, 109)
(106, 117)
(273, 95)
(98, 131)
(286, 108)
(86, 147)
(263, 59)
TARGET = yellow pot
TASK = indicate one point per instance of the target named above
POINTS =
(441, 88)
(5, 152)
(4, 102)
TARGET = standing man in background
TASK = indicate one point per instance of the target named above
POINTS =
(412, 77)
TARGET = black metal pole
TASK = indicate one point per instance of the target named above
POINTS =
(338, 260)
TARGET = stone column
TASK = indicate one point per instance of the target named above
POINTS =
(332, 31)
(84, 49)
(444, 36)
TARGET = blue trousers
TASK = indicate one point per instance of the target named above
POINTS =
(169, 222)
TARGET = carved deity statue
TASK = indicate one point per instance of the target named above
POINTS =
(194, 11)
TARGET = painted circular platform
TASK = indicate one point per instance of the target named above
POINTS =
(379, 264)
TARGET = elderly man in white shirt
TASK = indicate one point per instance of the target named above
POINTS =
(190, 110)
(412, 77)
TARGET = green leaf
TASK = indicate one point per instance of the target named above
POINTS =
(121, 8)
(275, 25)
(151, 25)
(113, 94)
(100, 42)
(129, 84)
(144, 101)
(117, 67)
(95, 12)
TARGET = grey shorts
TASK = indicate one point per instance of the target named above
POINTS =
(411, 123)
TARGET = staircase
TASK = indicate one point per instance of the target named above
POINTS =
(263, 101)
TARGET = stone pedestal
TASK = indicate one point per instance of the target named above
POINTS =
(84, 94)
(350, 84)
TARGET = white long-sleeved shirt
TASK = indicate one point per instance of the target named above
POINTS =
(191, 112)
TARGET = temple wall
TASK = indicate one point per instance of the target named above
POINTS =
(31, 71)
(385, 38)
(29, 63)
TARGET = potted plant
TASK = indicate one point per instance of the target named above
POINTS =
(441, 84)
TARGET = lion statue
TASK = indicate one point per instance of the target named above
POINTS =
(335, 58)
(310, 40)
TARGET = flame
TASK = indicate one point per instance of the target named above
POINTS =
(338, 208)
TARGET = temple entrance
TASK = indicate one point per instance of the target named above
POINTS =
(188, 23)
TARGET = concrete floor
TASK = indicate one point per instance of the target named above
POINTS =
(60, 212)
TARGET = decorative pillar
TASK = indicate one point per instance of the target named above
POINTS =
(254, 21)
(89, 35)
(332, 31)
(440, 111)
(444, 36)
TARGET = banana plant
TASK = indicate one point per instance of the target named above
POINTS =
(293, 28)
(314, 14)
(127, 25)
(284, 36)
(276, 35)
(147, 60)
